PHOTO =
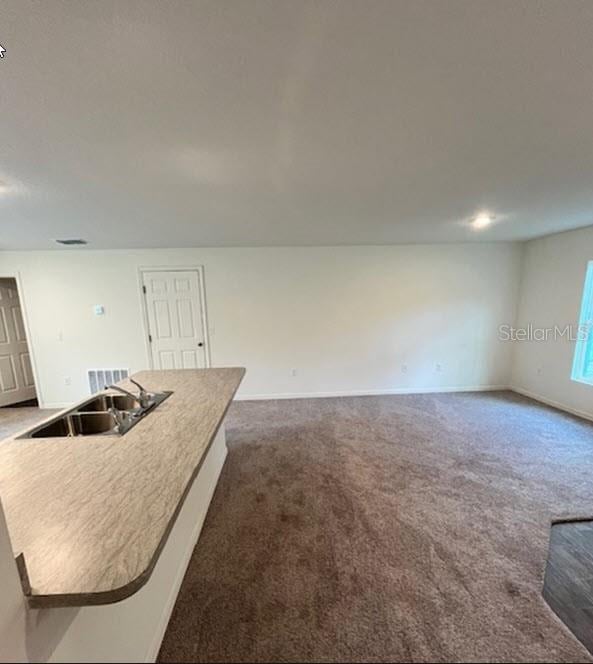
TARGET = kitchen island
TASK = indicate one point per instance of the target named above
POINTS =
(90, 515)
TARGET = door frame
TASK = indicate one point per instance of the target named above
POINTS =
(203, 308)
(16, 275)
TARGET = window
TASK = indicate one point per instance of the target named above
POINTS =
(582, 368)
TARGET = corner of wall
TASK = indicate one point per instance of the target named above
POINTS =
(519, 292)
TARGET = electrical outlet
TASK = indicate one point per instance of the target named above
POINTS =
(67, 380)
(404, 368)
(539, 371)
(438, 367)
(293, 372)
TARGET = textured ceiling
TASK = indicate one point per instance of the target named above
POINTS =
(161, 124)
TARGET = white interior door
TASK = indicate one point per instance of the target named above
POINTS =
(16, 376)
(174, 312)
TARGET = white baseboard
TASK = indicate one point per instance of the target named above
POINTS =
(365, 393)
(551, 402)
(338, 393)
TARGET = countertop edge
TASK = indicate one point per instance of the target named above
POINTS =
(134, 585)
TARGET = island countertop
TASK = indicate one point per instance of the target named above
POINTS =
(90, 514)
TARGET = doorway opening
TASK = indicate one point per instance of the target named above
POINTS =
(175, 318)
(17, 382)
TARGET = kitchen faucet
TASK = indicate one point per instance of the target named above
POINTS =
(143, 397)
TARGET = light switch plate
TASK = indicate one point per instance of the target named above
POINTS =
(99, 309)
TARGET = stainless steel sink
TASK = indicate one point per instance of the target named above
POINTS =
(103, 402)
(101, 414)
(55, 429)
(77, 424)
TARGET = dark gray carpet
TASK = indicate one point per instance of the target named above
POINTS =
(396, 528)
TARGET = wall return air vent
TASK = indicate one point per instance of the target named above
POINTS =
(99, 379)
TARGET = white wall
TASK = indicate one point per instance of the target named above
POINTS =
(346, 318)
(552, 287)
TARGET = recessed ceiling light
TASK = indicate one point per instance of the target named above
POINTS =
(72, 242)
(483, 220)
(11, 187)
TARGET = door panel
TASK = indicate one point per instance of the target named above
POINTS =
(16, 374)
(189, 359)
(166, 360)
(162, 318)
(27, 370)
(182, 285)
(174, 311)
(3, 330)
(19, 327)
(185, 318)
(7, 374)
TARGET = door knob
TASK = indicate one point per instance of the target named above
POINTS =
(200, 344)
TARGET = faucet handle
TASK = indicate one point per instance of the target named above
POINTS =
(121, 417)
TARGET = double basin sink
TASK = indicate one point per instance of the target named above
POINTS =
(101, 414)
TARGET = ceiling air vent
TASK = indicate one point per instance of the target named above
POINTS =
(72, 242)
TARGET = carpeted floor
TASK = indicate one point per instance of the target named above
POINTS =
(396, 528)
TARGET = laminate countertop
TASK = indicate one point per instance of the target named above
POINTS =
(90, 514)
